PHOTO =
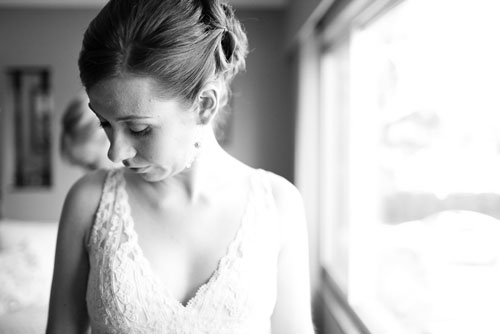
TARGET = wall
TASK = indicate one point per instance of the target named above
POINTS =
(40, 37)
(302, 47)
(298, 13)
(264, 127)
(262, 133)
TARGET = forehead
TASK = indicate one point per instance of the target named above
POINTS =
(122, 94)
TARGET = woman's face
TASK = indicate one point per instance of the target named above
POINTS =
(152, 136)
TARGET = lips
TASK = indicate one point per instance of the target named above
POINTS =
(138, 169)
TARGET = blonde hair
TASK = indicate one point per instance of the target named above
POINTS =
(79, 125)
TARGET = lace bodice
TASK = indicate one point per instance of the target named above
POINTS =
(124, 296)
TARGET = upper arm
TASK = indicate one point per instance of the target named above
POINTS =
(67, 308)
(292, 313)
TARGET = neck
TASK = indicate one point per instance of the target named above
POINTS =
(210, 168)
(206, 168)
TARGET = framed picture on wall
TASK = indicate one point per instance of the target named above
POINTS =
(32, 110)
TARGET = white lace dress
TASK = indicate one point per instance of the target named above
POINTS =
(124, 296)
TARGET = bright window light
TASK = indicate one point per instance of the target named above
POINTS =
(418, 167)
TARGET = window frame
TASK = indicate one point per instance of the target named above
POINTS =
(335, 28)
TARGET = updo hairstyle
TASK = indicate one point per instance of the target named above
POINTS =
(183, 44)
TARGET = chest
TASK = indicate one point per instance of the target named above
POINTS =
(184, 244)
(127, 291)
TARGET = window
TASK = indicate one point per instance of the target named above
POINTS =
(411, 120)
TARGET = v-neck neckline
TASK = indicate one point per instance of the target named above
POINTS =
(222, 263)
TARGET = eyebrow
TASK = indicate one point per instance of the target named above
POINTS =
(123, 118)
(131, 118)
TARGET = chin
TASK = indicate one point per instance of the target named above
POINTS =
(155, 175)
(151, 177)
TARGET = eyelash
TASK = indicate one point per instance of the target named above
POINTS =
(140, 133)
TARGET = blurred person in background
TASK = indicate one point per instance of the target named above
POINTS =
(83, 142)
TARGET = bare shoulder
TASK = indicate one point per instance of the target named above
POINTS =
(85, 192)
(82, 201)
(287, 196)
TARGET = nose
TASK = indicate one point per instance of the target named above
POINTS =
(120, 149)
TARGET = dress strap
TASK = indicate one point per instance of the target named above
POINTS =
(108, 207)
(265, 187)
(264, 191)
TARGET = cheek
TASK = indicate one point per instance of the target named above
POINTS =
(159, 148)
(149, 150)
(172, 144)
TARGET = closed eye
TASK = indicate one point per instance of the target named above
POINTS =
(139, 129)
